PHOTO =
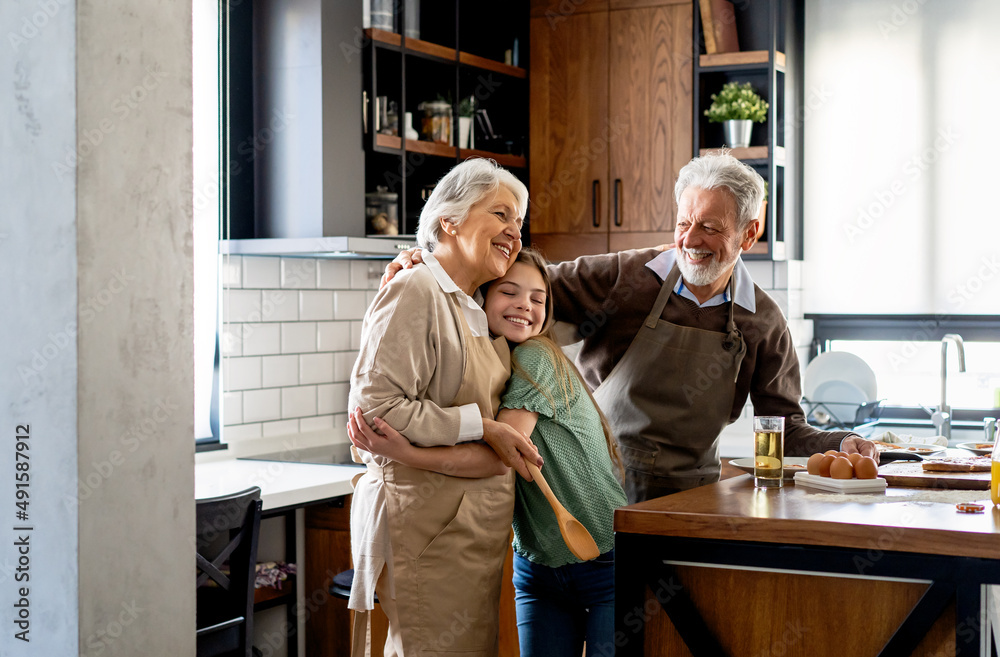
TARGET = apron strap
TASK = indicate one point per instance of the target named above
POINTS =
(361, 643)
(734, 339)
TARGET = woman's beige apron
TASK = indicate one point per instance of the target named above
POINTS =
(669, 398)
(449, 537)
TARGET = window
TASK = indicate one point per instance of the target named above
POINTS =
(905, 352)
(206, 137)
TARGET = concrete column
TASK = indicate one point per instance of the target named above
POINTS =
(96, 258)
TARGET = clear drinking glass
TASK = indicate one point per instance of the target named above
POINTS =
(768, 451)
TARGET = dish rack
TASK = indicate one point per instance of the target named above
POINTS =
(841, 415)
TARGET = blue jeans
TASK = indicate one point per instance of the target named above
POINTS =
(560, 608)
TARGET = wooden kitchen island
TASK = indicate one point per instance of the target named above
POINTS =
(729, 570)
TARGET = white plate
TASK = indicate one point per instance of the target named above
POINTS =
(839, 366)
(972, 448)
(746, 465)
(840, 393)
(876, 485)
(909, 448)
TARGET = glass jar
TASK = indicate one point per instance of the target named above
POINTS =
(382, 212)
(436, 125)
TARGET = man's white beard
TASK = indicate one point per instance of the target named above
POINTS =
(706, 274)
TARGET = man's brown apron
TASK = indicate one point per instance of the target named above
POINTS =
(668, 398)
(449, 537)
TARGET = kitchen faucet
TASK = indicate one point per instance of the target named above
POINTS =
(942, 416)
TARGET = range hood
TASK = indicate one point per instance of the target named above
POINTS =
(320, 247)
(305, 153)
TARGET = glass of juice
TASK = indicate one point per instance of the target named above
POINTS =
(768, 451)
(995, 471)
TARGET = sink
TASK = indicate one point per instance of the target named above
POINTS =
(336, 454)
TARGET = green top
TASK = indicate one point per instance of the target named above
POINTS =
(577, 465)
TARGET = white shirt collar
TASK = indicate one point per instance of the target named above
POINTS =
(471, 306)
(743, 288)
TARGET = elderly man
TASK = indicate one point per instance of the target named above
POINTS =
(675, 340)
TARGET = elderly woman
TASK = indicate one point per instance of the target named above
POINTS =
(432, 545)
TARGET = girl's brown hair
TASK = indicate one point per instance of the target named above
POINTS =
(564, 368)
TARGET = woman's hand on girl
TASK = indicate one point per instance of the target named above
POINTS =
(404, 260)
(385, 441)
(511, 446)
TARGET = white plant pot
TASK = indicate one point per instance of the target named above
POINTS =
(737, 133)
(465, 137)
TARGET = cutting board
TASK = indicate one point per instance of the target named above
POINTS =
(908, 473)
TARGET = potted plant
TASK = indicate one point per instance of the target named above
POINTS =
(737, 107)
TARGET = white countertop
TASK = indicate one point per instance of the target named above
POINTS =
(281, 484)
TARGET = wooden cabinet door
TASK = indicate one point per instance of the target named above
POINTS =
(649, 107)
(569, 132)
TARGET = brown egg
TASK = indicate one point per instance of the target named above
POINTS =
(812, 465)
(831, 451)
(866, 468)
(824, 465)
(841, 468)
(844, 454)
(855, 457)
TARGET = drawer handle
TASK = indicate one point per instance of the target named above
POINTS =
(619, 218)
(595, 202)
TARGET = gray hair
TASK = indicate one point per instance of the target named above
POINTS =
(725, 171)
(461, 188)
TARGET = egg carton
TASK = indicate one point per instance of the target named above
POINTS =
(876, 485)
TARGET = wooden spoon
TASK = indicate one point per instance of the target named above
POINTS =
(577, 538)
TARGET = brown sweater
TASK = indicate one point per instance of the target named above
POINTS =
(608, 297)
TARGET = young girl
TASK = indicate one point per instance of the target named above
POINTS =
(560, 601)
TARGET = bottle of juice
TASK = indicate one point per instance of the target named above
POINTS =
(991, 435)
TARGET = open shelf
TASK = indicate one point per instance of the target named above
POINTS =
(389, 141)
(750, 57)
(418, 46)
(503, 159)
(490, 65)
(430, 148)
(265, 598)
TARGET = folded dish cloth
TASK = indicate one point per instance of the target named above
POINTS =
(890, 437)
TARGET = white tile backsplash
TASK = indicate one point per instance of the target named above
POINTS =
(316, 305)
(317, 423)
(279, 371)
(242, 373)
(261, 339)
(343, 363)
(279, 306)
(240, 432)
(334, 275)
(280, 428)
(232, 271)
(298, 273)
(240, 305)
(316, 368)
(291, 335)
(262, 405)
(260, 272)
(232, 408)
(333, 398)
(350, 305)
(334, 336)
(781, 275)
(359, 275)
(761, 272)
(795, 274)
(298, 401)
(298, 337)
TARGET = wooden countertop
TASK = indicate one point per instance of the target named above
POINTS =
(733, 510)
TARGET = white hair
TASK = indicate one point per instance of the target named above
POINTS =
(461, 188)
(724, 171)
